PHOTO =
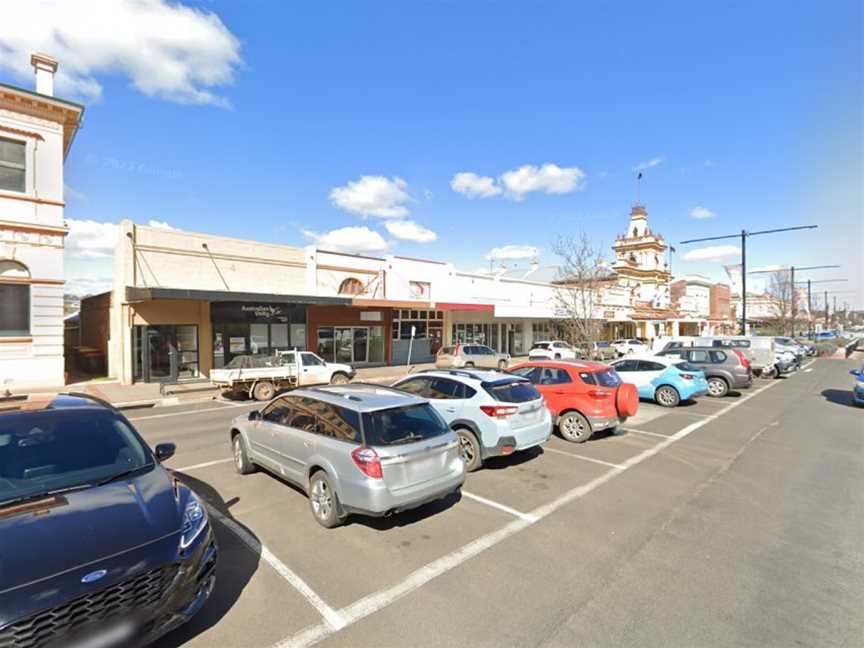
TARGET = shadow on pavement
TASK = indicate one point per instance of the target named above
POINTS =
(407, 517)
(236, 564)
(515, 459)
(839, 397)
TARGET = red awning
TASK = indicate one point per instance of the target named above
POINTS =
(450, 306)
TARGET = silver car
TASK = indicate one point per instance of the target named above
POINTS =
(459, 356)
(494, 414)
(353, 449)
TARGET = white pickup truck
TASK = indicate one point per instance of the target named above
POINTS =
(260, 377)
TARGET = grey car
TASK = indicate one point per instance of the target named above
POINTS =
(352, 448)
(466, 356)
(723, 368)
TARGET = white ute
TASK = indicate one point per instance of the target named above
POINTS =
(261, 377)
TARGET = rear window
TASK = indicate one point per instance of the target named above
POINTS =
(402, 425)
(516, 391)
(607, 378)
(603, 345)
(541, 345)
(686, 366)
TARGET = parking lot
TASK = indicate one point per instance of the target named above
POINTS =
(566, 545)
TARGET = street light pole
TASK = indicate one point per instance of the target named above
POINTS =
(744, 235)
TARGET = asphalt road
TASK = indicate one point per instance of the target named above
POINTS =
(733, 522)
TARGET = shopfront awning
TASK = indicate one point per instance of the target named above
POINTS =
(138, 294)
(450, 306)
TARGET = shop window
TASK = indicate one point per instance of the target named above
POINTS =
(351, 286)
(13, 170)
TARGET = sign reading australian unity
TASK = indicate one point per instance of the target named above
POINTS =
(246, 312)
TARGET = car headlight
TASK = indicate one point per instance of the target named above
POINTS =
(194, 521)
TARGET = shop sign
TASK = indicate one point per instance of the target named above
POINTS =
(370, 316)
(233, 312)
(237, 345)
(262, 311)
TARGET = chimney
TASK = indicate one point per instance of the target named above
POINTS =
(45, 67)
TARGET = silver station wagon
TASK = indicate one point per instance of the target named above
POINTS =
(353, 449)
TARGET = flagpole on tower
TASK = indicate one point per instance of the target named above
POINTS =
(639, 188)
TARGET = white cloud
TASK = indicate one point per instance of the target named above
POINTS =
(349, 239)
(160, 225)
(373, 196)
(550, 179)
(72, 194)
(410, 231)
(702, 213)
(649, 164)
(166, 49)
(713, 253)
(513, 252)
(84, 286)
(474, 186)
(89, 239)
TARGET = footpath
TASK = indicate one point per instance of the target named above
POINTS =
(141, 395)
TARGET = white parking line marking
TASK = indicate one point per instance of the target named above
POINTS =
(379, 600)
(332, 618)
(184, 413)
(500, 507)
(583, 457)
(654, 434)
(202, 465)
(808, 370)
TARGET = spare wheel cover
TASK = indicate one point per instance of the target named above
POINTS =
(627, 400)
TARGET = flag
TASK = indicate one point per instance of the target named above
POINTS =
(672, 249)
(639, 177)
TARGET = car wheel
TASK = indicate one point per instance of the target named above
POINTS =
(263, 391)
(557, 356)
(242, 463)
(469, 449)
(339, 378)
(323, 501)
(574, 427)
(667, 396)
(469, 365)
(502, 365)
(717, 387)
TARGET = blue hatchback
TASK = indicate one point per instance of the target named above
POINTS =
(858, 387)
(99, 544)
(666, 380)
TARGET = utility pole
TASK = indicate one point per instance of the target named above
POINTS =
(826, 311)
(809, 309)
(744, 235)
(794, 294)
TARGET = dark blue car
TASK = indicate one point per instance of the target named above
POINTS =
(99, 543)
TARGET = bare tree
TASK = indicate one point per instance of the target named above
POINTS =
(782, 293)
(582, 274)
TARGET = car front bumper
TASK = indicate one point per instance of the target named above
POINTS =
(858, 396)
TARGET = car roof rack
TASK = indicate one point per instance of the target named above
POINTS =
(326, 388)
(466, 373)
(91, 397)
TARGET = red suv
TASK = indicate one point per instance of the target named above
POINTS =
(584, 397)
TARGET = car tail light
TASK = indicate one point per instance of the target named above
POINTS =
(499, 411)
(366, 459)
(744, 361)
(507, 449)
(596, 393)
(686, 376)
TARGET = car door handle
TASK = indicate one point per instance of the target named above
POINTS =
(450, 409)
(308, 444)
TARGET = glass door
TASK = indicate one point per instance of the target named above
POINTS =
(344, 344)
(361, 345)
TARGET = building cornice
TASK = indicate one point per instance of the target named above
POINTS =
(66, 113)
(32, 199)
(34, 227)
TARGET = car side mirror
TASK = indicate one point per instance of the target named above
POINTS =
(255, 415)
(165, 451)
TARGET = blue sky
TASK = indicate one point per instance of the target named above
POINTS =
(752, 111)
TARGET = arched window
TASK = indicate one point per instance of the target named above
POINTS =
(635, 232)
(351, 286)
(15, 298)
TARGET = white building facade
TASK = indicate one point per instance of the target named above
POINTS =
(36, 133)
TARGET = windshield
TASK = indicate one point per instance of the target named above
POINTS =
(402, 425)
(515, 391)
(49, 451)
